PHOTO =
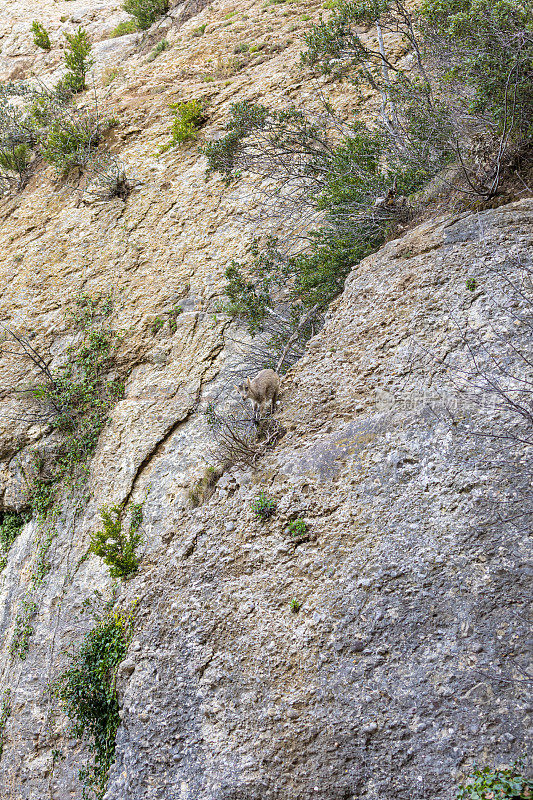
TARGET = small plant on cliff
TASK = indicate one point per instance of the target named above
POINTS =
(297, 528)
(146, 11)
(78, 60)
(123, 29)
(115, 546)
(160, 47)
(263, 506)
(88, 696)
(40, 36)
(20, 643)
(487, 783)
(10, 527)
(295, 605)
(188, 119)
(202, 489)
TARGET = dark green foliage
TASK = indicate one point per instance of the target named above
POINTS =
(77, 60)
(15, 158)
(41, 497)
(10, 527)
(123, 28)
(496, 784)
(40, 36)
(146, 12)
(263, 506)
(247, 300)
(68, 142)
(471, 284)
(188, 119)
(5, 713)
(87, 693)
(487, 45)
(115, 546)
(297, 528)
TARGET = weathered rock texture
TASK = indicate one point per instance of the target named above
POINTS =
(403, 663)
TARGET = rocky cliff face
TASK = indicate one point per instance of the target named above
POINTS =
(404, 661)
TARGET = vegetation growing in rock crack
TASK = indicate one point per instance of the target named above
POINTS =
(188, 119)
(263, 506)
(297, 528)
(506, 782)
(40, 36)
(295, 605)
(239, 440)
(116, 546)
(146, 12)
(87, 694)
(160, 47)
(464, 112)
(40, 126)
(10, 527)
(78, 60)
(20, 641)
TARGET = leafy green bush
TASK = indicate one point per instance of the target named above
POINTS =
(189, 118)
(160, 47)
(87, 693)
(10, 527)
(67, 143)
(297, 528)
(263, 506)
(497, 784)
(123, 28)
(15, 158)
(40, 36)
(77, 60)
(146, 11)
(488, 46)
(115, 546)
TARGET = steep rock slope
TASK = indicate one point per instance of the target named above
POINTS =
(403, 661)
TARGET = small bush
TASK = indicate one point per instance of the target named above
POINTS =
(87, 693)
(199, 31)
(297, 528)
(486, 783)
(263, 506)
(113, 545)
(471, 284)
(123, 28)
(40, 36)
(156, 325)
(67, 143)
(146, 12)
(189, 118)
(77, 60)
(295, 605)
(15, 158)
(160, 47)
(10, 527)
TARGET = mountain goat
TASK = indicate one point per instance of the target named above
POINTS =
(262, 389)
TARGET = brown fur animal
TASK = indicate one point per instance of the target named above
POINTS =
(262, 389)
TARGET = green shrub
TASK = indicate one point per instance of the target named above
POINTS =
(10, 527)
(40, 36)
(115, 546)
(295, 605)
(263, 506)
(199, 31)
(146, 11)
(80, 395)
(77, 60)
(87, 693)
(67, 143)
(189, 118)
(15, 158)
(123, 28)
(160, 47)
(471, 284)
(487, 783)
(297, 528)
